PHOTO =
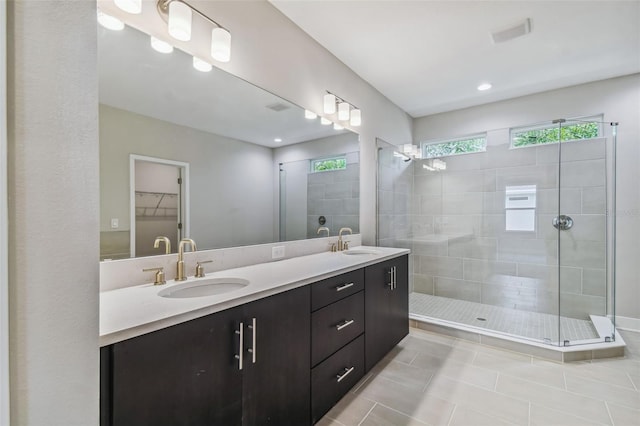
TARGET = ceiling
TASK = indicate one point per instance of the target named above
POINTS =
(429, 56)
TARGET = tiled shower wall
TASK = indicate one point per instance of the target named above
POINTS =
(461, 248)
(336, 196)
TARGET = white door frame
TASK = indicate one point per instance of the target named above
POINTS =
(186, 217)
(4, 226)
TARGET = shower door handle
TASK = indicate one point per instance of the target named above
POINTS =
(562, 222)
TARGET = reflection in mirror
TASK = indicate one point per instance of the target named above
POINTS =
(223, 130)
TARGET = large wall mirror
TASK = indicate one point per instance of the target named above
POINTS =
(210, 156)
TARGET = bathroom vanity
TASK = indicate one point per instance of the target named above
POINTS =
(281, 350)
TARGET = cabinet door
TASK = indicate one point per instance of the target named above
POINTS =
(386, 308)
(182, 375)
(276, 388)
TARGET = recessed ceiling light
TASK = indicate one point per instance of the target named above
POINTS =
(484, 86)
(277, 140)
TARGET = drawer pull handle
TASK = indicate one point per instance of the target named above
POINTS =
(344, 286)
(252, 349)
(238, 356)
(347, 323)
(347, 371)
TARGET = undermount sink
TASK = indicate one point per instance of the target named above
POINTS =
(205, 287)
(357, 252)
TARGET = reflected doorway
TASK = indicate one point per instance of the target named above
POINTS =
(159, 192)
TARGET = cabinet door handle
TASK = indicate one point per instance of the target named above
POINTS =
(252, 349)
(239, 355)
(347, 371)
(344, 286)
(390, 284)
(346, 323)
(395, 276)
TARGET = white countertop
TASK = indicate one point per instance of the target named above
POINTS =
(133, 311)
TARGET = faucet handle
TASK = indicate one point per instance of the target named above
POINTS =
(200, 269)
(160, 279)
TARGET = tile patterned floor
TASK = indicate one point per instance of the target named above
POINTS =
(431, 379)
(530, 325)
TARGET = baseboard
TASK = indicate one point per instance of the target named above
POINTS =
(628, 323)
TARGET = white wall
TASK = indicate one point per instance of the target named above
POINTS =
(619, 100)
(53, 212)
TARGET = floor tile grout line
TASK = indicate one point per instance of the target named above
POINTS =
(368, 412)
(453, 412)
(397, 411)
(609, 412)
(529, 415)
(495, 384)
(632, 382)
(564, 379)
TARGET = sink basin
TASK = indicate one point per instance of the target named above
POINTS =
(360, 252)
(205, 287)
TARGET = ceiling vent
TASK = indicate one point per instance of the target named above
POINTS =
(522, 28)
(278, 106)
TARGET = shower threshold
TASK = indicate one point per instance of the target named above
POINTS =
(532, 333)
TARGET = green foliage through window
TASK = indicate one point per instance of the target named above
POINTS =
(455, 146)
(328, 164)
(555, 133)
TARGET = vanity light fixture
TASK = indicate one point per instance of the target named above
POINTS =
(109, 22)
(484, 86)
(277, 140)
(346, 110)
(325, 121)
(129, 6)
(343, 111)
(201, 65)
(310, 115)
(160, 46)
(356, 117)
(178, 15)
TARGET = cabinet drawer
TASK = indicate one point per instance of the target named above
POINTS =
(334, 377)
(335, 288)
(336, 325)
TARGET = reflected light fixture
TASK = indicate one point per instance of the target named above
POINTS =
(346, 110)
(160, 46)
(277, 140)
(337, 126)
(109, 22)
(201, 65)
(484, 86)
(310, 115)
(325, 121)
(129, 6)
(178, 15)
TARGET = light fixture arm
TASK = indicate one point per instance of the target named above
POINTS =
(338, 98)
(163, 8)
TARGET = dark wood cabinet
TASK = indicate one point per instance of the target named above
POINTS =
(280, 360)
(188, 374)
(386, 307)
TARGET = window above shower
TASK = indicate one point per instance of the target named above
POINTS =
(571, 130)
(448, 147)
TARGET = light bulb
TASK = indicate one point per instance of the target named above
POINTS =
(310, 115)
(201, 65)
(329, 103)
(220, 44)
(337, 126)
(179, 21)
(109, 22)
(160, 45)
(129, 6)
(325, 121)
(343, 111)
(356, 118)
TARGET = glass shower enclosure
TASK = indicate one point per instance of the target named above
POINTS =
(516, 238)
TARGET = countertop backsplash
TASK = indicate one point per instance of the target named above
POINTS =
(115, 274)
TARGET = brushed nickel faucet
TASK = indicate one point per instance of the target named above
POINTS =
(166, 241)
(343, 245)
(323, 228)
(180, 275)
